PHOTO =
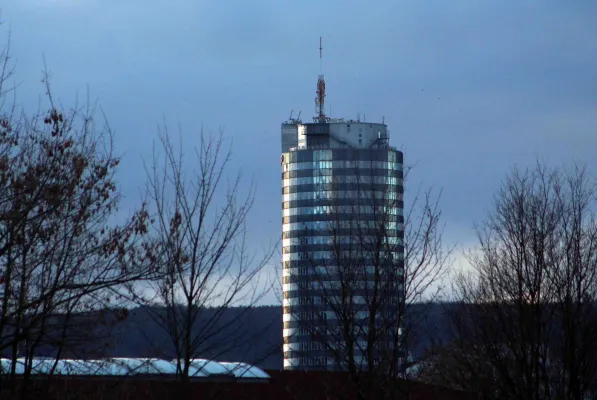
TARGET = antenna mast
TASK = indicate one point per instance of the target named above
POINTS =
(320, 57)
(320, 99)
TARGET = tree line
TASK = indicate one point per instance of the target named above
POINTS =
(526, 322)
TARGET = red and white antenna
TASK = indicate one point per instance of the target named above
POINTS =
(320, 99)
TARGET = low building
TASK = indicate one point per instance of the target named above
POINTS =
(147, 379)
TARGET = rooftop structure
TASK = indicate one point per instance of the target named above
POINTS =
(334, 134)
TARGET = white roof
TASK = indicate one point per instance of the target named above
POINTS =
(134, 366)
(243, 370)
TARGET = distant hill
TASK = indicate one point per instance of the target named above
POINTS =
(253, 336)
(260, 342)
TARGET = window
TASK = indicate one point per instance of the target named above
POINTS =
(311, 361)
(310, 346)
(306, 301)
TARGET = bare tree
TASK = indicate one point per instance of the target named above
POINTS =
(526, 323)
(199, 234)
(360, 282)
(62, 257)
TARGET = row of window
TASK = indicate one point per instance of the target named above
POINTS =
(315, 180)
(363, 164)
(336, 285)
(317, 300)
(362, 187)
(343, 194)
(356, 263)
(327, 225)
(379, 209)
(350, 209)
(360, 345)
(329, 172)
(358, 251)
(322, 155)
(307, 316)
(328, 155)
(334, 300)
(322, 271)
(305, 301)
(313, 361)
(304, 330)
(332, 229)
(298, 362)
(330, 255)
(307, 330)
(331, 240)
(315, 316)
(311, 346)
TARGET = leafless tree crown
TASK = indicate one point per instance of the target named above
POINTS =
(199, 233)
(525, 325)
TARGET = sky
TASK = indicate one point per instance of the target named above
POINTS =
(468, 88)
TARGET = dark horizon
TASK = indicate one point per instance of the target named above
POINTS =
(467, 90)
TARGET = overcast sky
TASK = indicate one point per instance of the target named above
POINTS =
(467, 88)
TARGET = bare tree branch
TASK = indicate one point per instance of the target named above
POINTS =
(526, 322)
(199, 234)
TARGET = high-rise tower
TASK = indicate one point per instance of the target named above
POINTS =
(342, 239)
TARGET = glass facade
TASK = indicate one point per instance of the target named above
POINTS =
(342, 211)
